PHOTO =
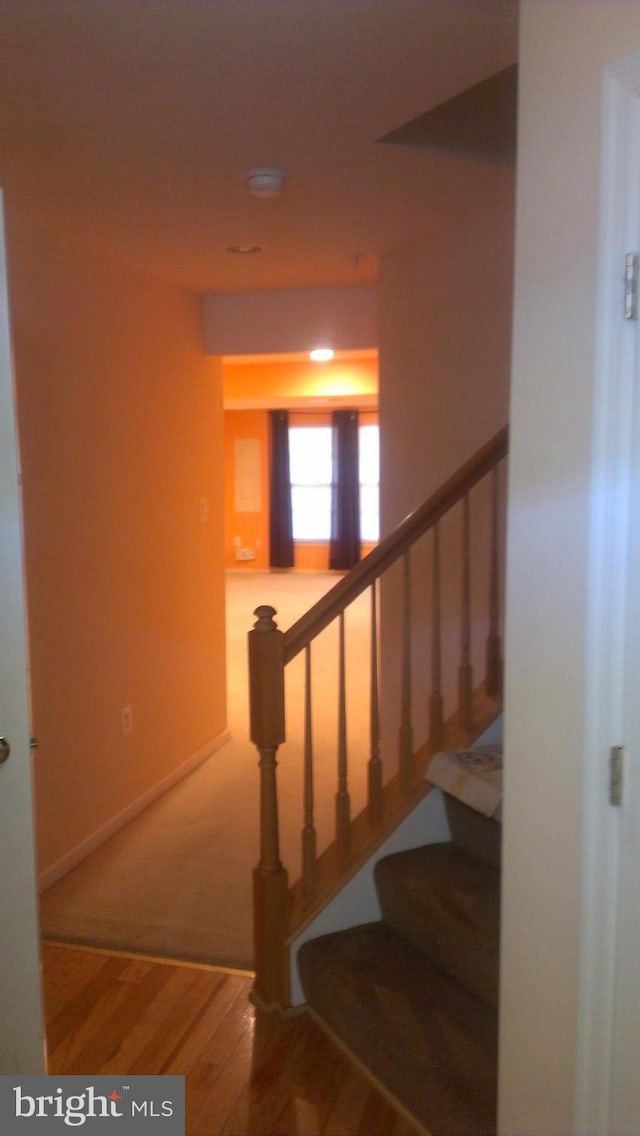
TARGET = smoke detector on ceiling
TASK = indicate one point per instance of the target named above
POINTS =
(265, 181)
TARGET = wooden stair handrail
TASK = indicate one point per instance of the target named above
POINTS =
(270, 650)
(301, 633)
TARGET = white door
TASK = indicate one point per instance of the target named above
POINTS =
(21, 1026)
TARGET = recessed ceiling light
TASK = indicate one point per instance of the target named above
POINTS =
(321, 354)
(244, 250)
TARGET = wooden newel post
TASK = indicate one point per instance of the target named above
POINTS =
(270, 880)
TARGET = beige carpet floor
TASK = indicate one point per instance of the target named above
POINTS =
(176, 881)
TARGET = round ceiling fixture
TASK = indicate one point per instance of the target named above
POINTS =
(265, 181)
(321, 354)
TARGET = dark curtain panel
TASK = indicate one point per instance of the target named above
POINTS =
(280, 518)
(344, 550)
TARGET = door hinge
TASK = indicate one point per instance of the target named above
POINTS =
(631, 286)
(616, 774)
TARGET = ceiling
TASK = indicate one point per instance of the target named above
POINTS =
(133, 123)
(480, 123)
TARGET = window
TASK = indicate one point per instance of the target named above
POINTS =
(310, 472)
(310, 464)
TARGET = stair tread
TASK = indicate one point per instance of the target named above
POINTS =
(446, 904)
(420, 1033)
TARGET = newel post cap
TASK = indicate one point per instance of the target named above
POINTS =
(265, 620)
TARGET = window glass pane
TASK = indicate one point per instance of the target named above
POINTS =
(369, 512)
(310, 455)
(311, 507)
(311, 472)
(369, 448)
(369, 438)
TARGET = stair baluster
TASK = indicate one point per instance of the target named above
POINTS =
(494, 647)
(465, 673)
(436, 708)
(375, 764)
(309, 872)
(405, 740)
(343, 802)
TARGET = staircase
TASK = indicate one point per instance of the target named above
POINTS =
(412, 996)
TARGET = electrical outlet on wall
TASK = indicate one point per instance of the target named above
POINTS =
(126, 720)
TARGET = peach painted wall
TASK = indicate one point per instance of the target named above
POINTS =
(445, 340)
(120, 422)
(568, 1010)
(263, 383)
(445, 343)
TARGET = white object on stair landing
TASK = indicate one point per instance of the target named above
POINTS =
(474, 776)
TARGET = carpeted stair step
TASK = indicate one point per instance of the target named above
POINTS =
(421, 1034)
(480, 836)
(446, 904)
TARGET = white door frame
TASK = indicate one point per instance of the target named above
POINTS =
(616, 378)
(21, 1018)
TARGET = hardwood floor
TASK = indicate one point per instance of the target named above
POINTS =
(244, 1076)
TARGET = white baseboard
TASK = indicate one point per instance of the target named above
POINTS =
(72, 858)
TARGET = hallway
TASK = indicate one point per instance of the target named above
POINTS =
(176, 881)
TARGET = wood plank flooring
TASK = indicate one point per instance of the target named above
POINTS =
(244, 1075)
